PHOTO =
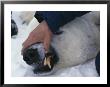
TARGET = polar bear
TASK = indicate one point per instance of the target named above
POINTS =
(79, 42)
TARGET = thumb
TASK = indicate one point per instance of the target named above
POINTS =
(46, 45)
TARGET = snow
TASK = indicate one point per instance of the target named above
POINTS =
(20, 69)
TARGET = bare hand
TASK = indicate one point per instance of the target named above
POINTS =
(41, 33)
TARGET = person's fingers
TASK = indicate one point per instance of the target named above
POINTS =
(29, 42)
(46, 47)
(40, 34)
(25, 45)
(47, 43)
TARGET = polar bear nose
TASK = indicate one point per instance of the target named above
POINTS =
(31, 56)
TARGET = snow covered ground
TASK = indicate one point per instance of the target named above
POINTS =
(20, 68)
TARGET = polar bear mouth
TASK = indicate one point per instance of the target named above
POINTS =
(37, 58)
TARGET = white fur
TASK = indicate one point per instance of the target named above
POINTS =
(77, 44)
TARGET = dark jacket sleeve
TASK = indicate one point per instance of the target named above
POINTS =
(56, 19)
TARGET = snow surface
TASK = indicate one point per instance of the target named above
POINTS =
(20, 68)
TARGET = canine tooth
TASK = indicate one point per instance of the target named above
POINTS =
(48, 62)
(49, 65)
(45, 61)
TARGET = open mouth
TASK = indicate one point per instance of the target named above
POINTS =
(45, 66)
(41, 61)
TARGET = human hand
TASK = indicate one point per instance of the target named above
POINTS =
(41, 34)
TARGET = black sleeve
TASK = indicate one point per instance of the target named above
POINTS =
(56, 19)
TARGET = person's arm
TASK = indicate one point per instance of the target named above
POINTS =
(56, 19)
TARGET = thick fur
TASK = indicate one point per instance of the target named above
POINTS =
(79, 42)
